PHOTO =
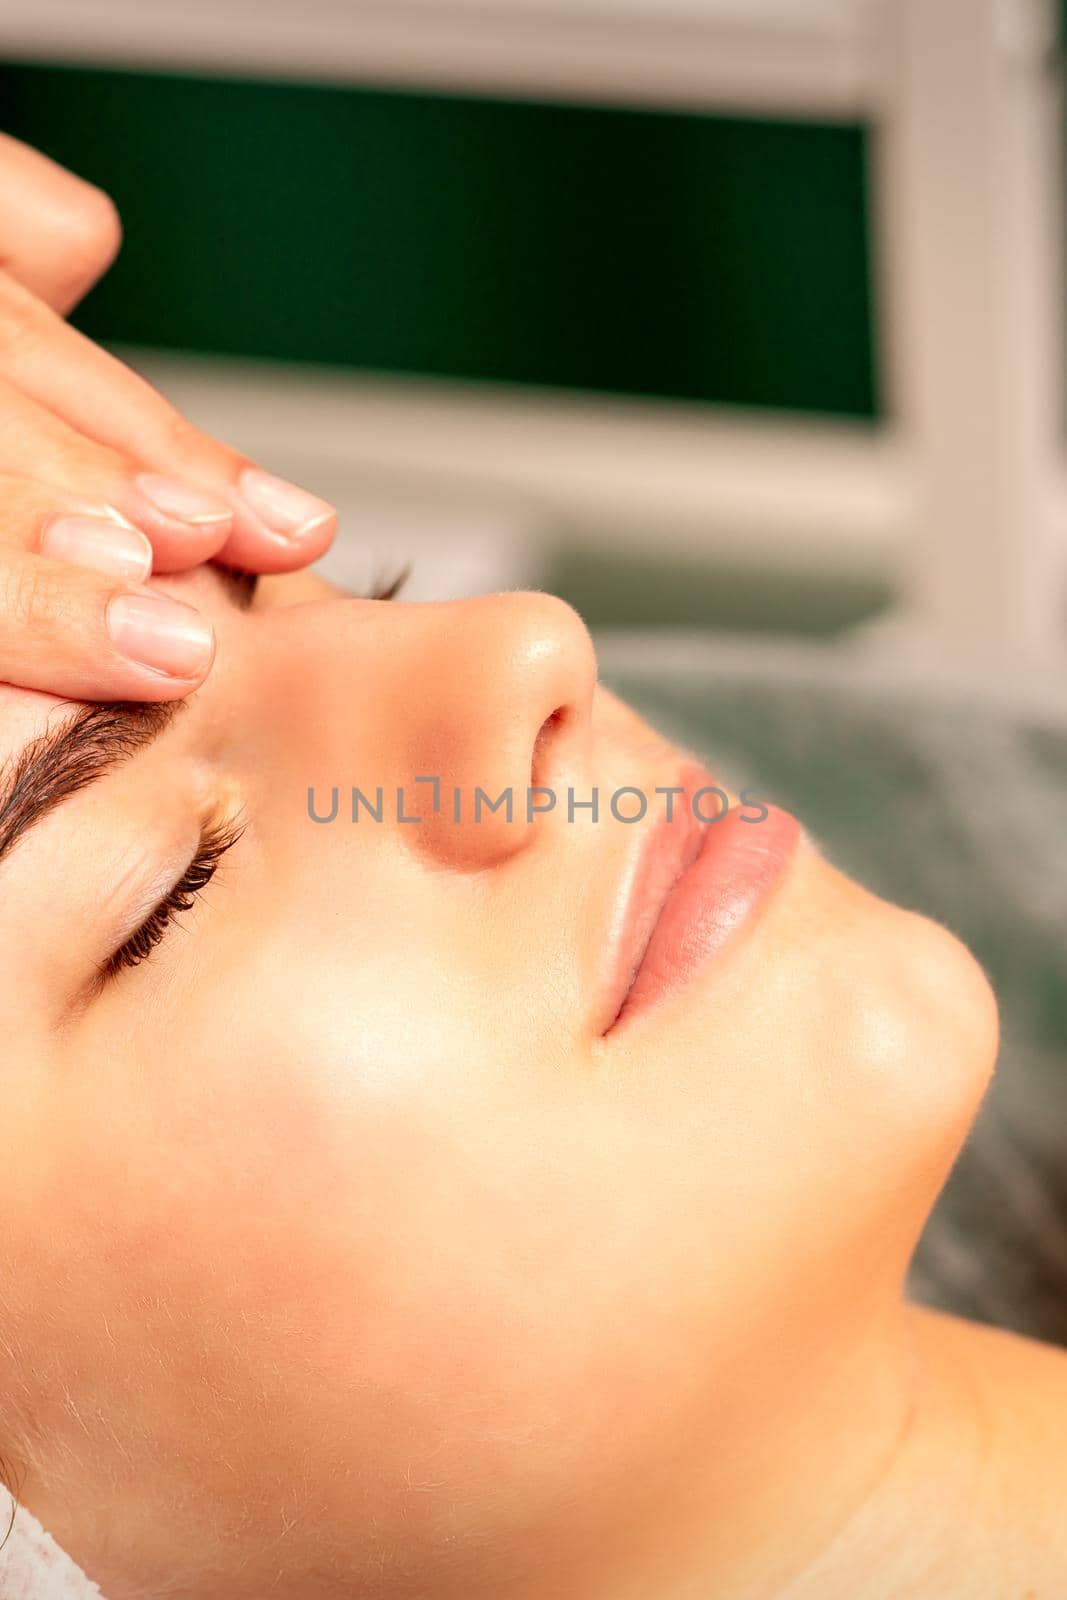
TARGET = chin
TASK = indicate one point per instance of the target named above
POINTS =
(954, 1014)
(866, 1031)
(919, 1040)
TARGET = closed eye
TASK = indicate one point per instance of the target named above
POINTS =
(241, 586)
(389, 588)
(384, 587)
(214, 843)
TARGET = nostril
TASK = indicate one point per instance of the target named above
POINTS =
(546, 738)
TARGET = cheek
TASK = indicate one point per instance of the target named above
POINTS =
(398, 1287)
(345, 1228)
(251, 1275)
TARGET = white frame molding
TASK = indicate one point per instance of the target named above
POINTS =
(968, 177)
(816, 497)
(785, 57)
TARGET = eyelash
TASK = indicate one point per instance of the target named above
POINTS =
(385, 588)
(214, 843)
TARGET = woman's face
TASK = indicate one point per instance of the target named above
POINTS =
(349, 1208)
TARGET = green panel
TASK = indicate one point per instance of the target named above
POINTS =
(706, 258)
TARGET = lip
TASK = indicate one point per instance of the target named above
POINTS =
(689, 891)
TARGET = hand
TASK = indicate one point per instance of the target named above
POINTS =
(101, 480)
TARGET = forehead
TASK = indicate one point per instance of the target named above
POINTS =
(24, 715)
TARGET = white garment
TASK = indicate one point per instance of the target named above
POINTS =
(32, 1566)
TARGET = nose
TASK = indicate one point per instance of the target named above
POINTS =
(501, 717)
(475, 716)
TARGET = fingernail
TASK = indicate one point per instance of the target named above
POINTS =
(183, 501)
(103, 545)
(285, 509)
(161, 633)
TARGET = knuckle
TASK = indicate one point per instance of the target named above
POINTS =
(24, 597)
(85, 467)
(170, 442)
(187, 448)
(174, 433)
(24, 509)
(86, 235)
(92, 228)
(21, 317)
(186, 445)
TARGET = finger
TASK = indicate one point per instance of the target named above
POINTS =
(155, 649)
(35, 518)
(277, 527)
(79, 634)
(58, 234)
(185, 523)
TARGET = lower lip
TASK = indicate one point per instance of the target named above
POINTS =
(733, 866)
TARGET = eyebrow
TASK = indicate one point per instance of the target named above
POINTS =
(240, 586)
(85, 747)
(67, 758)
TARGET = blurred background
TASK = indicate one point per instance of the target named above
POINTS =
(729, 313)
(736, 322)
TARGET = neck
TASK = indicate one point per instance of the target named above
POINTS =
(939, 1470)
(969, 1499)
(930, 1456)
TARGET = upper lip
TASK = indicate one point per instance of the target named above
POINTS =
(664, 849)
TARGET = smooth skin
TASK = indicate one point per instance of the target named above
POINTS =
(101, 480)
(343, 1255)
